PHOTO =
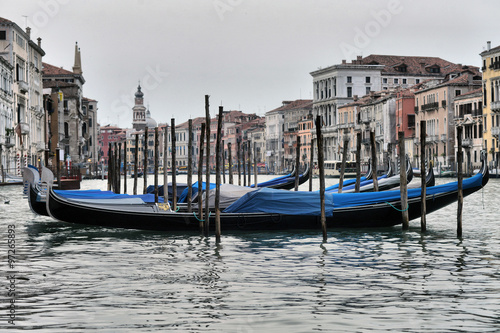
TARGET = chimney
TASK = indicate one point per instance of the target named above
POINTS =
(355, 98)
(39, 42)
(488, 45)
(28, 32)
(344, 61)
(359, 58)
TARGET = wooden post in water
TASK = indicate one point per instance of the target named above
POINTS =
(125, 167)
(218, 157)
(319, 137)
(200, 180)
(297, 164)
(190, 165)
(460, 180)
(358, 162)
(207, 174)
(423, 194)
(249, 162)
(223, 163)
(374, 160)
(110, 166)
(145, 172)
(157, 152)
(244, 165)
(116, 176)
(58, 167)
(165, 164)
(238, 157)
(403, 181)
(136, 162)
(311, 162)
(119, 168)
(255, 163)
(342, 166)
(174, 166)
(230, 158)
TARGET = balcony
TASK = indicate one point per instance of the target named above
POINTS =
(431, 138)
(416, 109)
(443, 138)
(365, 118)
(23, 87)
(416, 141)
(366, 142)
(495, 131)
(430, 106)
(346, 125)
(40, 146)
(443, 103)
(495, 106)
(10, 141)
(467, 143)
(25, 128)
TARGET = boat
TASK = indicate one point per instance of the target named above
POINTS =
(332, 169)
(269, 209)
(285, 182)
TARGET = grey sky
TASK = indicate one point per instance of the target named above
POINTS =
(249, 55)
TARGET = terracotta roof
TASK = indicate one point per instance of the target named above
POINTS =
(58, 84)
(5, 21)
(478, 91)
(414, 65)
(89, 99)
(53, 70)
(294, 105)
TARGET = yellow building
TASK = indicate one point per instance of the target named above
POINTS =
(491, 100)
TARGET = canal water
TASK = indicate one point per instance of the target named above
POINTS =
(77, 278)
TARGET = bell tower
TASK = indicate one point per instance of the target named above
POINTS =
(139, 111)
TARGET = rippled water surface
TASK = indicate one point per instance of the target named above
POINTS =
(81, 278)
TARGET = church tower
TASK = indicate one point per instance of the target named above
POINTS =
(139, 110)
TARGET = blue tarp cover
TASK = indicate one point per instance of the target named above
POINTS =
(308, 203)
(98, 194)
(183, 196)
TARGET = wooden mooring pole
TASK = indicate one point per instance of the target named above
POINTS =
(165, 163)
(238, 157)
(190, 166)
(358, 162)
(255, 164)
(223, 156)
(157, 150)
(200, 178)
(244, 162)
(249, 162)
(374, 160)
(319, 137)
(460, 180)
(125, 167)
(145, 172)
(218, 158)
(230, 158)
(297, 164)
(136, 162)
(403, 181)
(207, 171)
(110, 166)
(311, 162)
(174, 166)
(423, 173)
(342, 166)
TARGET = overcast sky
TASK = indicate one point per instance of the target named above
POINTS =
(248, 55)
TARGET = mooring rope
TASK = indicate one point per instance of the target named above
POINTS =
(399, 210)
(194, 213)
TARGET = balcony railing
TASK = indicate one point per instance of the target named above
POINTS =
(431, 138)
(467, 143)
(495, 106)
(365, 141)
(10, 141)
(40, 146)
(25, 128)
(495, 131)
(430, 106)
(346, 125)
(23, 87)
(443, 138)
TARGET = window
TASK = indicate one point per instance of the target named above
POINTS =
(367, 90)
(458, 92)
(384, 80)
(349, 91)
(404, 81)
(396, 81)
(367, 79)
(417, 81)
(349, 79)
(3, 35)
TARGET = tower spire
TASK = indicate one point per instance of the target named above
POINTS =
(77, 67)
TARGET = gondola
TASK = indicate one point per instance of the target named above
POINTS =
(268, 209)
(286, 183)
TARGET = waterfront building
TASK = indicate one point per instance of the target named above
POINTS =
(109, 134)
(28, 117)
(405, 122)
(469, 115)
(7, 134)
(491, 101)
(294, 112)
(434, 105)
(90, 133)
(305, 130)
